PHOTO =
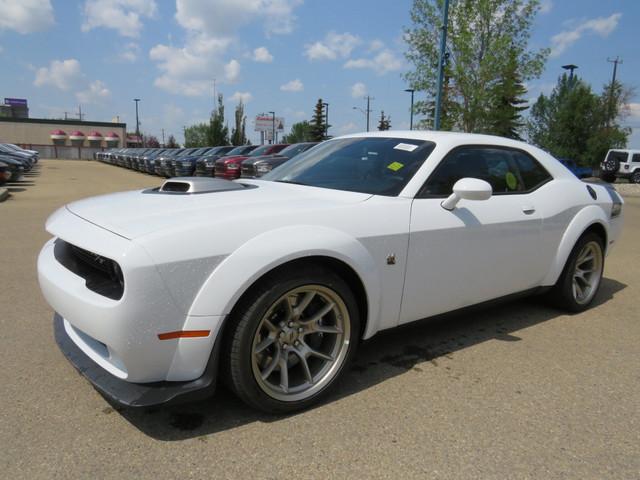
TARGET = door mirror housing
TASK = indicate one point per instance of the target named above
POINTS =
(468, 189)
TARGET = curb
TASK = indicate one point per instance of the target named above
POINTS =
(4, 194)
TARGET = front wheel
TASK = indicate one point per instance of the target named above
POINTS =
(635, 177)
(580, 279)
(291, 339)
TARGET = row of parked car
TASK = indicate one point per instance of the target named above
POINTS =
(228, 162)
(15, 162)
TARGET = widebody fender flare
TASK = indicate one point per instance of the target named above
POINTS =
(242, 268)
(587, 217)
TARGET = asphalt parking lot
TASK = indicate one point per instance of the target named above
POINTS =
(519, 391)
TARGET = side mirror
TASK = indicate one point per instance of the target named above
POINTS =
(468, 189)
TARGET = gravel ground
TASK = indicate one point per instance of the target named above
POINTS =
(519, 391)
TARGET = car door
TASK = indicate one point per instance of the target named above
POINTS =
(482, 249)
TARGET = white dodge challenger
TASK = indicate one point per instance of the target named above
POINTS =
(272, 283)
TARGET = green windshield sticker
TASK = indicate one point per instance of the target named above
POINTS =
(512, 183)
(395, 166)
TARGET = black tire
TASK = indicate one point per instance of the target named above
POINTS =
(291, 339)
(612, 165)
(580, 279)
(635, 177)
(607, 177)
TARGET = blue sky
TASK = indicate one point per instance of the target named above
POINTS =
(275, 55)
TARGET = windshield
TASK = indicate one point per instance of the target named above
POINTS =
(376, 165)
(296, 148)
(242, 149)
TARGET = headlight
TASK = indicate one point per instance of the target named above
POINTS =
(264, 168)
(616, 210)
(233, 166)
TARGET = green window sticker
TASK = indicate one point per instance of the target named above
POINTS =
(512, 183)
(395, 166)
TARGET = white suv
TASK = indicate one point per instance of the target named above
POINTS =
(621, 164)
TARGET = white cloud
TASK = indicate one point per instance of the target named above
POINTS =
(358, 90)
(546, 6)
(293, 86)
(65, 75)
(121, 15)
(130, 52)
(222, 18)
(97, 94)
(190, 70)
(172, 113)
(26, 16)
(244, 97)
(211, 31)
(333, 46)
(295, 113)
(261, 54)
(383, 63)
(602, 27)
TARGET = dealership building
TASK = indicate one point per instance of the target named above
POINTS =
(70, 138)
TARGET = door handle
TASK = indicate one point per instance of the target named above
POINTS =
(528, 209)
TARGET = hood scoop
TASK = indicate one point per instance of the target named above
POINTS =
(190, 185)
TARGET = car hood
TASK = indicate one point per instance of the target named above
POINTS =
(138, 213)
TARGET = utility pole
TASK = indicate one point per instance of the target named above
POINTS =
(613, 87)
(368, 97)
(615, 67)
(80, 114)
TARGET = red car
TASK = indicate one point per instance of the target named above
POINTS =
(229, 167)
(5, 173)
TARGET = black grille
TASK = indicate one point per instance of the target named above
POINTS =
(248, 170)
(102, 275)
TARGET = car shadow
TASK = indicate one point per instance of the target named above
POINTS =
(388, 354)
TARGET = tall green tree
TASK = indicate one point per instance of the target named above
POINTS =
(318, 127)
(171, 142)
(238, 133)
(197, 135)
(504, 116)
(300, 132)
(385, 122)
(574, 122)
(218, 132)
(482, 36)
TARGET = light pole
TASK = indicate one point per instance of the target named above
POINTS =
(273, 127)
(571, 68)
(411, 117)
(326, 121)
(137, 122)
(365, 114)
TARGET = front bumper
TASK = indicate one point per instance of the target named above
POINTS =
(136, 394)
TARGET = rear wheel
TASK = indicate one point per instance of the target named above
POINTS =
(580, 280)
(607, 177)
(612, 165)
(291, 339)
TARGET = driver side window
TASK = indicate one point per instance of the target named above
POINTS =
(508, 171)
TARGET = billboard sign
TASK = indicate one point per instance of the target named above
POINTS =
(16, 102)
(265, 123)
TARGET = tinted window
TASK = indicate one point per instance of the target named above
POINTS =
(376, 165)
(506, 170)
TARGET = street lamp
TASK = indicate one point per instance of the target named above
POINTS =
(137, 122)
(571, 68)
(326, 121)
(365, 114)
(411, 117)
(273, 127)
